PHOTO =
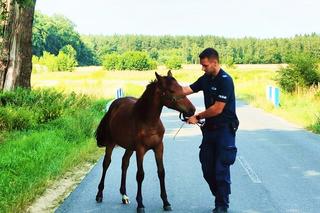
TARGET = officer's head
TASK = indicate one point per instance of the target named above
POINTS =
(209, 59)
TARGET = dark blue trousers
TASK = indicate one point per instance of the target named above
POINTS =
(217, 153)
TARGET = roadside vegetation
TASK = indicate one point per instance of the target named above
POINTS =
(43, 134)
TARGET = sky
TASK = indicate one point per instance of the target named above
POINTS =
(228, 18)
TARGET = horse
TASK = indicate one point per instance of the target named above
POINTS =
(135, 125)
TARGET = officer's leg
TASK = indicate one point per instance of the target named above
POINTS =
(223, 185)
(207, 158)
(226, 157)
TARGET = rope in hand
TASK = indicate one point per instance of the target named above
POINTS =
(184, 119)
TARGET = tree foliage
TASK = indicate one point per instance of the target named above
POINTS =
(64, 61)
(131, 60)
(174, 62)
(51, 34)
(302, 71)
(232, 51)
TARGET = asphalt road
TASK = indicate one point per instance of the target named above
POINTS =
(277, 170)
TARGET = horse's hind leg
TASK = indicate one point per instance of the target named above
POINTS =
(140, 176)
(161, 174)
(124, 167)
(106, 163)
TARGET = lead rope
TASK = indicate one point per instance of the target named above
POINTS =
(178, 130)
(184, 120)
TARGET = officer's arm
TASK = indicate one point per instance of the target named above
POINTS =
(214, 110)
(187, 90)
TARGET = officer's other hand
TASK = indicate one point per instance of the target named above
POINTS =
(192, 120)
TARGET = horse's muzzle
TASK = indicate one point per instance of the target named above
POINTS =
(189, 113)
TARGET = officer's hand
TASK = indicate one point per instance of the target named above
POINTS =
(192, 120)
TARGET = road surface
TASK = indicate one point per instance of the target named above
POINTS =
(277, 170)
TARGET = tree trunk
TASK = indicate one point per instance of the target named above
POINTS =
(16, 45)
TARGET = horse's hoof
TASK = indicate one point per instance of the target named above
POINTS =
(125, 199)
(99, 199)
(140, 210)
(167, 208)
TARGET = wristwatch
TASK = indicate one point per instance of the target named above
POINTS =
(198, 117)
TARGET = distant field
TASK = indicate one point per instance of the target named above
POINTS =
(101, 83)
(250, 84)
(97, 82)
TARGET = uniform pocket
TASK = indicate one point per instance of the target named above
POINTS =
(228, 155)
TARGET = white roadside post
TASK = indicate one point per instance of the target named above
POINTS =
(273, 95)
(119, 94)
(269, 92)
(276, 96)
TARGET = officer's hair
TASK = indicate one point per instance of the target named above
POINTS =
(209, 53)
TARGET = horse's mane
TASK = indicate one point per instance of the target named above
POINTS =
(147, 97)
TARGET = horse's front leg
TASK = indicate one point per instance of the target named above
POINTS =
(106, 163)
(124, 168)
(161, 174)
(140, 152)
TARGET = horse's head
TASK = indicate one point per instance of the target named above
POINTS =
(172, 96)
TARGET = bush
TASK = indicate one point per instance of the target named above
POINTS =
(174, 62)
(131, 60)
(66, 59)
(50, 61)
(302, 71)
(12, 118)
(288, 79)
(166, 55)
(110, 61)
(36, 107)
(134, 60)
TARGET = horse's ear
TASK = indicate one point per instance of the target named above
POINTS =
(160, 80)
(158, 76)
(169, 73)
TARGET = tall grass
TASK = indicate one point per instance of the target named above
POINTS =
(34, 156)
(301, 107)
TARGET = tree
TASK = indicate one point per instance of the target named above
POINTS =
(16, 44)
(51, 33)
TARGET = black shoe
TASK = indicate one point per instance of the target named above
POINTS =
(220, 209)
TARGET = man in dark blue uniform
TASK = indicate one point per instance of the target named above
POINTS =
(217, 150)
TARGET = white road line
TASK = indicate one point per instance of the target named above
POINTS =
(245, 165)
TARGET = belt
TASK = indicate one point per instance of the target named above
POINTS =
(213, 126)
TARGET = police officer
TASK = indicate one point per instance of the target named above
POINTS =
(217, 150)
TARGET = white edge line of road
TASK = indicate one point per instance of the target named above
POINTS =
(251, 173)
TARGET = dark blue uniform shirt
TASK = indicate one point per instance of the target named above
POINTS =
(218, 88)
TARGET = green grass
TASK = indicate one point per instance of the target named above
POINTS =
(33, 157)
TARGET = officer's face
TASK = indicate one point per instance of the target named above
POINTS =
(208, 65)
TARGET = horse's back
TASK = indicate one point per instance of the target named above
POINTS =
(123, 122)
(104, 133)
(123, 125)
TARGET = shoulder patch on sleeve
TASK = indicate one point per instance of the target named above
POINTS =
(222, 96)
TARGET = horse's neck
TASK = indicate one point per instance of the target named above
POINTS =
(148, 105)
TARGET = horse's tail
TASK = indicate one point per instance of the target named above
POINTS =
(103, 134)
